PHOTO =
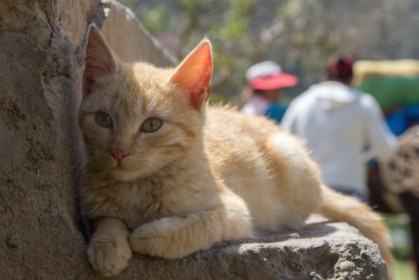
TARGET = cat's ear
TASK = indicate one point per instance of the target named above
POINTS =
(193, 74)
(99, 58)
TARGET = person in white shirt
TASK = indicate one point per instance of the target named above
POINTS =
(342, 127)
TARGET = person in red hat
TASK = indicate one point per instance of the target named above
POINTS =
(265, 80)
(342, 127)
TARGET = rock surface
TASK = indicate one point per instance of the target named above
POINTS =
(42, 57)
(319, 251)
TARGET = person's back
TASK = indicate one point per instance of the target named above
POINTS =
(343, 128)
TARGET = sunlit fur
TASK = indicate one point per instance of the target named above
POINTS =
(208, 174)
(129, 105)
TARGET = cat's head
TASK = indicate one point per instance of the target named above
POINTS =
(137, 119)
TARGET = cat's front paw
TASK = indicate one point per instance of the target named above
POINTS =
(176, 237)
(160, 238)
(109, 257)
(147, 240)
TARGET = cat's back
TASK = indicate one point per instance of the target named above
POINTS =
(262, 164)
(227, 124)
(238, 144)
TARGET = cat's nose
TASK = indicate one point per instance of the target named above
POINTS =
(119, 154)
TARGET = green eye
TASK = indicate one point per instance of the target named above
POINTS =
(103, 120)
(151, 125)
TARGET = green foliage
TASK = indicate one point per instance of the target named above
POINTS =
(403, 270)
(130, 3)
(298, 34)
(399, 229)
(217, 99)
(402, 248)
(241, 6)
(153, 20)
(234, 28)
(195, 6)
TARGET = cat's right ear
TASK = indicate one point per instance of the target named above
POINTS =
(193, 74)
(99, 59)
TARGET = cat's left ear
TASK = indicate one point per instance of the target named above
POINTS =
(193, 75)
(100, 59)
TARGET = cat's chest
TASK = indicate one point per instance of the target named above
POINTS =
(133, 204)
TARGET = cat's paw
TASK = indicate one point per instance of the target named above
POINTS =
(175, 237)
(109, 257)
(147, 240)
(161, 238)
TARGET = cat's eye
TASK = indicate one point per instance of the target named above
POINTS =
(151, 125)
(103, 120)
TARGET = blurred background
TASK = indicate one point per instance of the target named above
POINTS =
(299, 35)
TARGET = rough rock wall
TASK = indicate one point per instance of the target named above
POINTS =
(38, 233)
(41, 58)
(41, 61)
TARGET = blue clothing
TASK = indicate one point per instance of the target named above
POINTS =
(400, 120)
(261, 107)
(275, 112)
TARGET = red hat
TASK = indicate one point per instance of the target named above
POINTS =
(268, 75)
(340, 66)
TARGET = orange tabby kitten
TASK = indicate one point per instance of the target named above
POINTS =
(166, 175)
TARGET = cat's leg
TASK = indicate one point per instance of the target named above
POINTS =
(176, 237)
(109, 251)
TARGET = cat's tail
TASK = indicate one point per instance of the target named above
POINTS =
(340, 207)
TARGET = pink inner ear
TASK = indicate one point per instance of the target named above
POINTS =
(99, 59)
(194, 74)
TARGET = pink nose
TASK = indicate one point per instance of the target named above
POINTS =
(119, 154)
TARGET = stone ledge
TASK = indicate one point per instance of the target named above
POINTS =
(319, 251)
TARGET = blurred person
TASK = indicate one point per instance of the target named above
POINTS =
(343, 128)
(264, 84)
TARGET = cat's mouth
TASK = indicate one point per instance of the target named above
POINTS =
(123, 173)
(120, 168)
(119, 165)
